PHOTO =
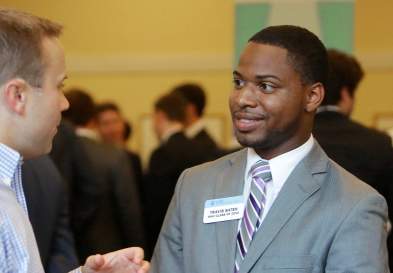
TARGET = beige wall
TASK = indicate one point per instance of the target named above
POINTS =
(133, 51)
(374, 46)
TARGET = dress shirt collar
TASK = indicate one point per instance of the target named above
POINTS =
(9, 161)
(195, 128)
(175, 128)
(328, 108)
(281, 166)
(88, 133)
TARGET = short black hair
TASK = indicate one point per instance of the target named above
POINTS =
(193, 94)
(107, 106)
(82, 107)
(344, 71)
(173, 105)
(306, 53)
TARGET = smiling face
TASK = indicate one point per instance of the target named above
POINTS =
(270, 105)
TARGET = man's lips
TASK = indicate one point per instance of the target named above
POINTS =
(245, 122)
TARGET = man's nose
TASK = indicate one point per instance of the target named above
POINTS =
(247, 96)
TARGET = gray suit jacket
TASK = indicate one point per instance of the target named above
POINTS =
(323, 220)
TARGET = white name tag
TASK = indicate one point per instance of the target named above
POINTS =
(223, 209)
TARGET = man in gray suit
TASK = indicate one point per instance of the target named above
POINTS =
(279, 205)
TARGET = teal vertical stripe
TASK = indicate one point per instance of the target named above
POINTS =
(337, 24)
(249, 18)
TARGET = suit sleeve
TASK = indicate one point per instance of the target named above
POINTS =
(128, 203)
(360, 243)
(168, 254)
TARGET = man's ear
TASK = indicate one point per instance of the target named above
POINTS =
(315, 95)
(15, 95)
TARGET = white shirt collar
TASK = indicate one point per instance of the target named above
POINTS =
(171, 131)
(195, 128)
(281, 166)
(328, 108)
(88, 133)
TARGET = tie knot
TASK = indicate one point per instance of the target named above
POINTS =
(261, 169)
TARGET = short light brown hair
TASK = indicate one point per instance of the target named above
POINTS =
(21, 36)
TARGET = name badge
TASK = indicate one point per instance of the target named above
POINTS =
(223, 209)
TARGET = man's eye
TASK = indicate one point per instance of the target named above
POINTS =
(238, 83)
(266, 87)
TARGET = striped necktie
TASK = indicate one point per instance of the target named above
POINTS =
(251, 221)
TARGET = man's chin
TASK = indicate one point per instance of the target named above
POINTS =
(247, 140)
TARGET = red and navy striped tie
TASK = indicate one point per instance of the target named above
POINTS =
(251, 221)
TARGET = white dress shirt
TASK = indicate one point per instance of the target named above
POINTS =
(280, 166)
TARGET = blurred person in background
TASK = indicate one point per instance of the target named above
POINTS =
(117, 221)
(364, 152)
(174, 154)
(115, 130)
(194, 124)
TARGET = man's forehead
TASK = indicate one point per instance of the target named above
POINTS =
(263, 59)
(258, 51)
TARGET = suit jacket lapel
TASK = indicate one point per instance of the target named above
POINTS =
(231, 183)
(299, 187)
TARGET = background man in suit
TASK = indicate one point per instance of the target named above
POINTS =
(175, 153)
(115, 130)
(32, 72)
(364, 152)
(195, 98)
(72, 161)
(47, 204)
(302, 212)
(118, 211)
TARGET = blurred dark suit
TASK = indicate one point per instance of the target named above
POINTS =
(207, 145)
(366, 153)
(165, 166)
(48, 212)
(117, 222)
(136, 166)
(73, 163)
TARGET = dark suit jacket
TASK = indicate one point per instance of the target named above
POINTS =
(72, 160)
(165, 165)
(366, 153)
(117, 220)
(48, 212)
(136, 166)
(207, 145)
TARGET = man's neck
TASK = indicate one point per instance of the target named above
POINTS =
(195, 128)
(171, 129)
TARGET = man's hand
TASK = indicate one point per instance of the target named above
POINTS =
(127, 260)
